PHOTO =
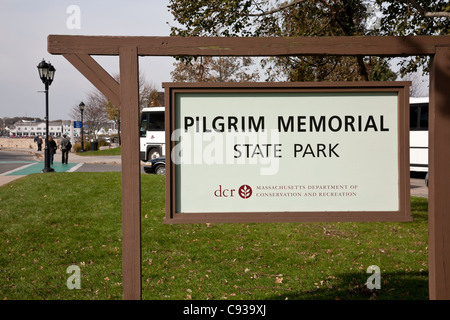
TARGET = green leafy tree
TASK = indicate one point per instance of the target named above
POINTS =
(414, 17)
(287, 19)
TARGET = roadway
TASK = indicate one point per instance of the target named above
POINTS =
(12, 160)
(18, 163)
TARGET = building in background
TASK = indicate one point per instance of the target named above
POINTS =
(55, 129)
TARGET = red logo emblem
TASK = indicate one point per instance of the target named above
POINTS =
(245, 191)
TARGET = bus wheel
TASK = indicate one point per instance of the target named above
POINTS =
(153, 154)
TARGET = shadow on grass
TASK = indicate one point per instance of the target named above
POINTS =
(352, 286)
(419, 207)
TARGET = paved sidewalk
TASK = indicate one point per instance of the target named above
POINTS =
(35, 167)
(418, 188)
(7, 179)
(74, 158)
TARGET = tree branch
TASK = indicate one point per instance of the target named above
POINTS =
(265, 13)
(424, 13)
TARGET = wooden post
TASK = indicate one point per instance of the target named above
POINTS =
(439, 176)
(131, 175)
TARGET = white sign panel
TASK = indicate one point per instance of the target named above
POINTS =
(286, 152)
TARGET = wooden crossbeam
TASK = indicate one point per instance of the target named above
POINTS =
(252, 46)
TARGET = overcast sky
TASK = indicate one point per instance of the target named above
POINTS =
(24, 27)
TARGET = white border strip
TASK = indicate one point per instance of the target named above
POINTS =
(75, 168)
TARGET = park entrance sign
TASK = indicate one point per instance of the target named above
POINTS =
(287, 152)
(79, 51)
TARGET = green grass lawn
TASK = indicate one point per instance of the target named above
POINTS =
(105, 152)
(49, 222)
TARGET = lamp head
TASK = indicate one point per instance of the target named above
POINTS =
(46, 72)
(43, 70)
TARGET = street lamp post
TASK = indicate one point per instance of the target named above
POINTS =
(82, 129)
(46, 73)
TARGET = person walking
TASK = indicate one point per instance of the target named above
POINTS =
(65, 148)
(39, 143)
(52, 148)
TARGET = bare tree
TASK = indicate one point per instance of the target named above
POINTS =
(98, 109)
(94, 115)
(429, 14)
(215, 69)
(419, 84)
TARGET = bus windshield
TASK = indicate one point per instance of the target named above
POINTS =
(151, 121)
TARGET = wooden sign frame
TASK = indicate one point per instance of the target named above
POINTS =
(400, 88)
(78, 50)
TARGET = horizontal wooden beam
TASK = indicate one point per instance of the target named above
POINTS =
(320, 85)
(257, 46)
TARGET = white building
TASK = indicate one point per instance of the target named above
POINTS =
(55, 128)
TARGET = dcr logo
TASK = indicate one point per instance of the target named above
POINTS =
(244, 191)
(224, 193)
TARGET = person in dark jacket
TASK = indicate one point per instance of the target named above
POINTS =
(65, 148)
(39, 143)
(52, 148)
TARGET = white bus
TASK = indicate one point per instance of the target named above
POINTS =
(418, 134)
(152, 134)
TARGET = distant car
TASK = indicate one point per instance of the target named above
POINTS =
(157, 166)
(426, 180)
